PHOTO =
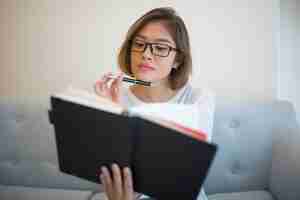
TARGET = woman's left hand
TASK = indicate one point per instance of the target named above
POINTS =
(116, 187)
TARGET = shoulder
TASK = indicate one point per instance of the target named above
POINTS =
(199, 95)
(204, 95)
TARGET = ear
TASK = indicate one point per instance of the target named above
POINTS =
(175, 65)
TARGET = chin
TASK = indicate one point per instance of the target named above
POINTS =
(152, 79)
(144, 77)
(148, 76)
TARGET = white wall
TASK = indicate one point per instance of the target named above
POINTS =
(62, 42)
(8, 49)
(289, 60)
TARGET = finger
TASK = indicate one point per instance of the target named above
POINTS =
(107, 182)
(101, 91)
(116, 83)
(105, 76)
(97, 86)
(128, 184)
(104, 184)
(104, 87)
(115, 89)
(119, 79)
(108, 77)
(117, 180)
(108, 74)
(105, 80)
(120, 75)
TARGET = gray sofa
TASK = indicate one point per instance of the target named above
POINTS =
(258, 158)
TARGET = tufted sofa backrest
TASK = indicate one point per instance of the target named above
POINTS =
(244, 132)
(28, 149)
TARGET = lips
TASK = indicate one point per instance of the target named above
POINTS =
(146, 67)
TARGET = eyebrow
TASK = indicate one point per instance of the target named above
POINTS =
(156, 40)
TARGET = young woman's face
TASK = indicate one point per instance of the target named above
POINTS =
(154, 63)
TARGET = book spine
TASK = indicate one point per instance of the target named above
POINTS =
(50, 116)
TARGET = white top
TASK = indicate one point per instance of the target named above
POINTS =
(203, 100)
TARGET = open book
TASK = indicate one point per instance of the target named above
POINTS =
(168, 155)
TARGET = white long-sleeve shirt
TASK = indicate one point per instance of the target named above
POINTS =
(202, 100)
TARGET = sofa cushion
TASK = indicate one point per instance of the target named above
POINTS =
(99, 196)
(28, 150)
(28, 193)
(251, 195)
(41, 174)
(244, 131)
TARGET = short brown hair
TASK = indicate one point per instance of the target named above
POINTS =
(178, 76)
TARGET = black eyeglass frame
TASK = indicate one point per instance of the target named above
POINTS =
(151, 48)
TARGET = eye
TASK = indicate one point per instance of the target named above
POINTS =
(138, 44)
(161, 47)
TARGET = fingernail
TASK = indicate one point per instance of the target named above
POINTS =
(126, 170)
(102, 170)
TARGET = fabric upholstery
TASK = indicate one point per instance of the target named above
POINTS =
(257, 158)
(285, 172)
(28, 150)
(27, 193)
(250, 195)
(244, 133)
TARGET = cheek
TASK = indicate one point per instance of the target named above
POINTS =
(165, 67)
(167, 64)
(134, 60)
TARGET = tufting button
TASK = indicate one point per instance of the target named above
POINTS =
(20, 118)
(236, 167)
(12, 163)
(234, 123)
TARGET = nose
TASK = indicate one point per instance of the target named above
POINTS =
(147, 54)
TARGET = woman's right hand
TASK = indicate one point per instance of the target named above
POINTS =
(109, 87)
(119, 185)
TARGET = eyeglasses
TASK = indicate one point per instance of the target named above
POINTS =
(157, 49)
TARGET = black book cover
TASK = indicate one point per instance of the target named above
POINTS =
(166, 164)
(89, 138)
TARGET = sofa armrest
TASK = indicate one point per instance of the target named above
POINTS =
(285, 171)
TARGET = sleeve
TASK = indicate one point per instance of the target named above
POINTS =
(205, 105)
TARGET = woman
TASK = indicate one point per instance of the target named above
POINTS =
(157, 50)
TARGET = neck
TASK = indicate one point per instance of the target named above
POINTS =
(159, 92)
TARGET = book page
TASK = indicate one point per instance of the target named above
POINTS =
(191, 132)
(181, 114)
(89, 99)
